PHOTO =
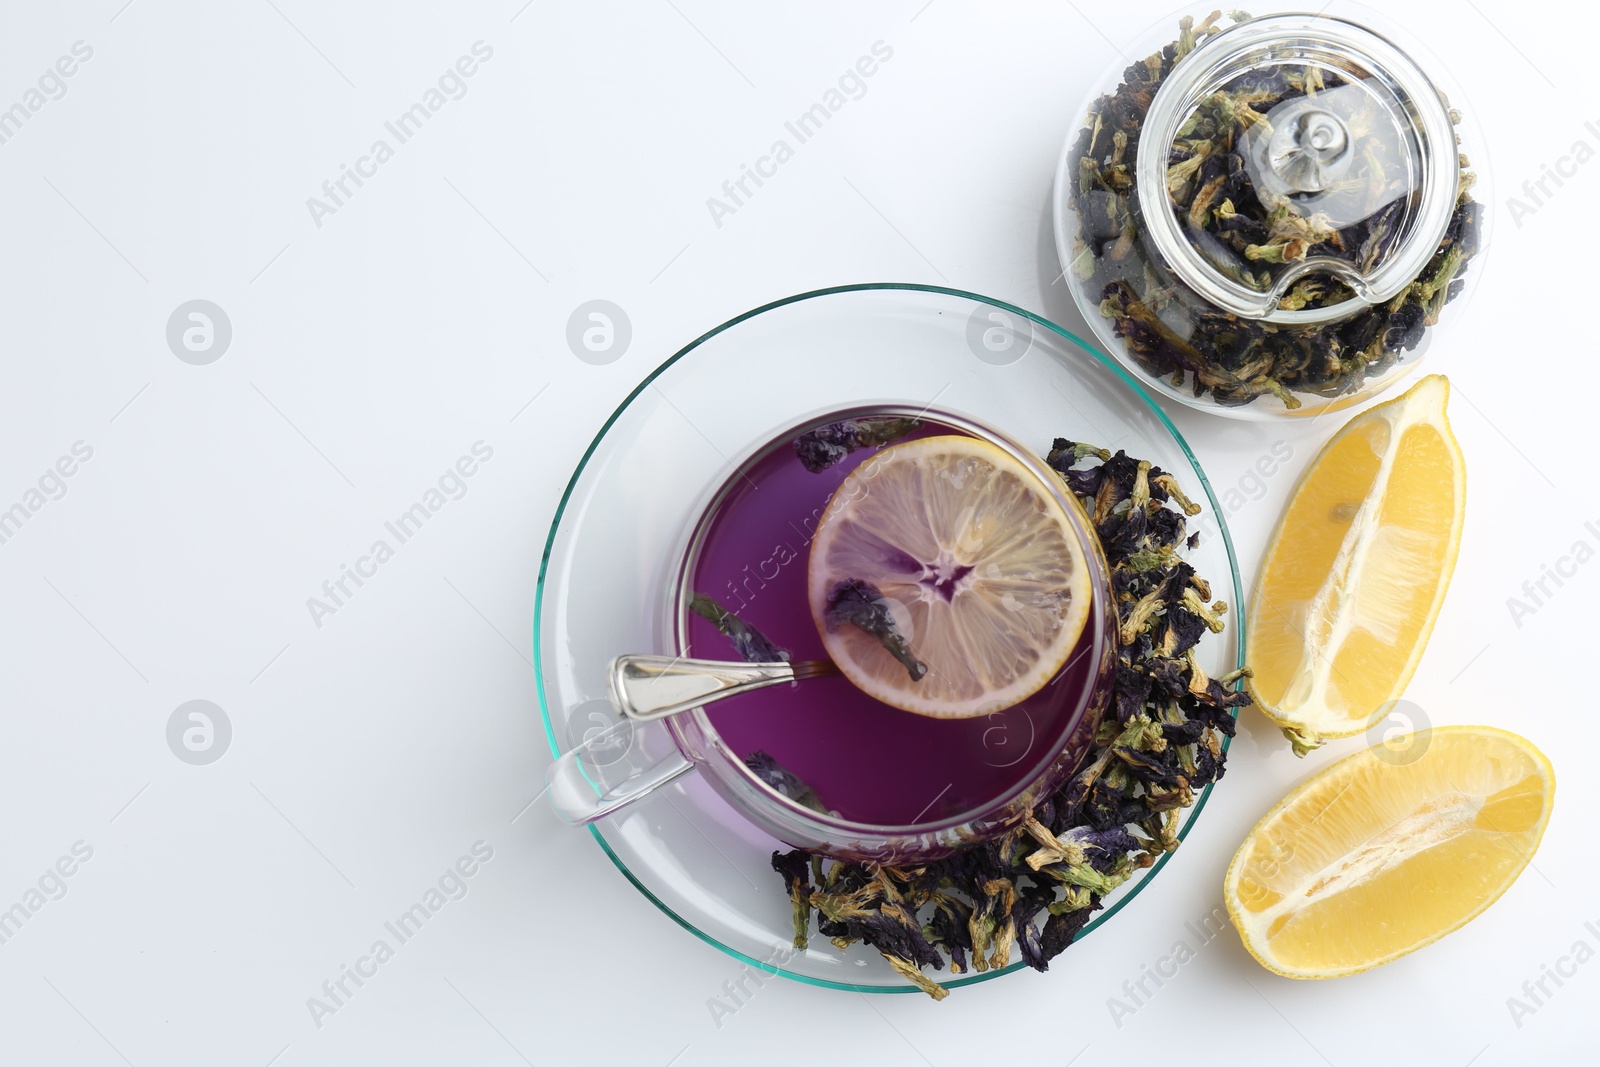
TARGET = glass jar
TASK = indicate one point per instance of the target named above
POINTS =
(1268, 216)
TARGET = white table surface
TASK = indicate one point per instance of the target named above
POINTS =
(427, 313)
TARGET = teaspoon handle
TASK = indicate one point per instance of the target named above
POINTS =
(645, 687)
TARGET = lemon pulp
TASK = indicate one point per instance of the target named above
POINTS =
(1377, 856)
(1358, 567)
(975, 559)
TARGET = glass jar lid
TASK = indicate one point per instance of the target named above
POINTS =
(1355, 169)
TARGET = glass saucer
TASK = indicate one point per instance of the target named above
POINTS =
(610, 560)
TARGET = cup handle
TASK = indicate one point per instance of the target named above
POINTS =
(578, 799)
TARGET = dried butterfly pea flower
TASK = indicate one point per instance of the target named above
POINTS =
(853, 602)
(827, 445)
(751, 645)
(796, 873)
(783, 781)
(1059, 931)
(865, 905)
(948, 929)
(1031, 902)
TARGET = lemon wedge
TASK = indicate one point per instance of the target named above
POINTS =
(1357, 569)
(1388, 850)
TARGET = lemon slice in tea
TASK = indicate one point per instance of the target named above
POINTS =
(973, 558)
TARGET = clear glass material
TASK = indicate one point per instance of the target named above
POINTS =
(1053, 759)
(1297, 243)
(613, 558)
(1060, 721)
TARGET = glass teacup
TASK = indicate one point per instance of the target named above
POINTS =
(819, 764)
